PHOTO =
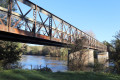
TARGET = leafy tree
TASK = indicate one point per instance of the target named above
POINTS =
(64, 52)
(116, 56)
(114, 51)
(24, 48)
(4, 3)
(10, 52)
(45, 50)
(54, 51)
(78, 45)
(33, 50)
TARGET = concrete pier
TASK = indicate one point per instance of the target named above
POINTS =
(86, 57)
(103, 58)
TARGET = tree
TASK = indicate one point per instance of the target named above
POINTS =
(51, 51)
(45, 50)
(4, 3)
(116, 56)
(55, 51)
(24, 48)
(10, 52)
(90, 33)
(64, 52)
(114, 50)
(78, 45)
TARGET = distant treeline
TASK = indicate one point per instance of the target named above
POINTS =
(46, 51)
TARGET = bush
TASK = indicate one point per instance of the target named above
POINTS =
(1, 68)
(10, 52)
(46, 69)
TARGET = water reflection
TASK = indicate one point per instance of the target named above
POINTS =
(55, 63)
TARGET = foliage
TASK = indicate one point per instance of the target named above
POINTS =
(110, 47)
(52, 51)
(4, 3)
(55, 51)
(24, 47)
(78, 45)
(33, 50)
(45, 50)
(116, 56)
(46, 69)
(98, 67)
(10, 52)
(1, 68)
(114, 51)
(64, 52)
(16, 65)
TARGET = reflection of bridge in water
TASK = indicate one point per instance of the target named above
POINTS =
(53, 31)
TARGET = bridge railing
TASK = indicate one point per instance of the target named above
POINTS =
(31, 20)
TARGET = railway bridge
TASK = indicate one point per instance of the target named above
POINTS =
(33, 24)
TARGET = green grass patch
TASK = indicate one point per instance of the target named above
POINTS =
(37, 75)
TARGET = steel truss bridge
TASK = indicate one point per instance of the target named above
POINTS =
(39, 26)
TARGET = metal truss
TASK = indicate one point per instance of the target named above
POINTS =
(52, 28)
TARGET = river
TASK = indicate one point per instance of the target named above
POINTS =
(54, 63)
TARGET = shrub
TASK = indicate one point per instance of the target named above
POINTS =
(46, 69)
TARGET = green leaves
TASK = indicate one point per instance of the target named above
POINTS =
(10, 52)
(4, 3)
(114, 52)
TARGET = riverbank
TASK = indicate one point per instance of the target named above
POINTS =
(50, 51)
(37, 75)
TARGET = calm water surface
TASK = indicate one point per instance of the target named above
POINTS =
(54, 63)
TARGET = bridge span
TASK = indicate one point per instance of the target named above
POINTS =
(43, 28)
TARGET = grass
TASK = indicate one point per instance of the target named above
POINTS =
(37, 75)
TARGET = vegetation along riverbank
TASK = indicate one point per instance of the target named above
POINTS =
(46, 51)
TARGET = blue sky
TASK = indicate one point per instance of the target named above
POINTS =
(102, 17)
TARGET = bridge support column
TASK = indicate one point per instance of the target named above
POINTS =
(68, 57)
(89, 54)
(103, 58)
(83, 57)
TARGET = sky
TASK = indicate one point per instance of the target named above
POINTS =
(102, 17)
